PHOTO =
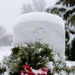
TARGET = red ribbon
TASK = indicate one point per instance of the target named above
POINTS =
(29, 71)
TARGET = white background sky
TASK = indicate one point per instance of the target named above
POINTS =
(11, 9)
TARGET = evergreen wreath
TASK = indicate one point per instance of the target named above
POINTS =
(37, 55)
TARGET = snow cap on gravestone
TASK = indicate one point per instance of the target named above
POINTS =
(40, 27)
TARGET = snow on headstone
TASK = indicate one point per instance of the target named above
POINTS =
(40, 27)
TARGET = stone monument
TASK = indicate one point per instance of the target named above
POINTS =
(40, 27)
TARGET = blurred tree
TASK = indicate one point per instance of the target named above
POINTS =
(5, 39)
(27, 8)
(66, 9)
(38, 5)
(2, 32)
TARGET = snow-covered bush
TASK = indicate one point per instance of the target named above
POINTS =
(37, 56)
(2, 69)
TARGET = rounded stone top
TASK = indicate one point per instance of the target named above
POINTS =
(40, 16)
(40, 27)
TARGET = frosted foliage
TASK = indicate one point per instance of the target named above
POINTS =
(42, 31)
(2, 32)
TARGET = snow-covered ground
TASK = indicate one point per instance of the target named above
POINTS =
(4, 51)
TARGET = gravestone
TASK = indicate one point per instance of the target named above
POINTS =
(40, 27)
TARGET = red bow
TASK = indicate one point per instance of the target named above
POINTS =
(29, 71)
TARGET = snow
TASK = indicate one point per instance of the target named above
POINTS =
(37, 71)
(60, 6)
(4, 51)
(50, 66)
(71, 38)
(70, 63)
(64, 7)
(40, 16)
(70, 8)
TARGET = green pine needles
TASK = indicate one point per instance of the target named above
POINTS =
(2, 69)
(37, 55)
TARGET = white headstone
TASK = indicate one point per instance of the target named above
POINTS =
(40, 27)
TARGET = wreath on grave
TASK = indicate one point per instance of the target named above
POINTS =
(33, 59)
